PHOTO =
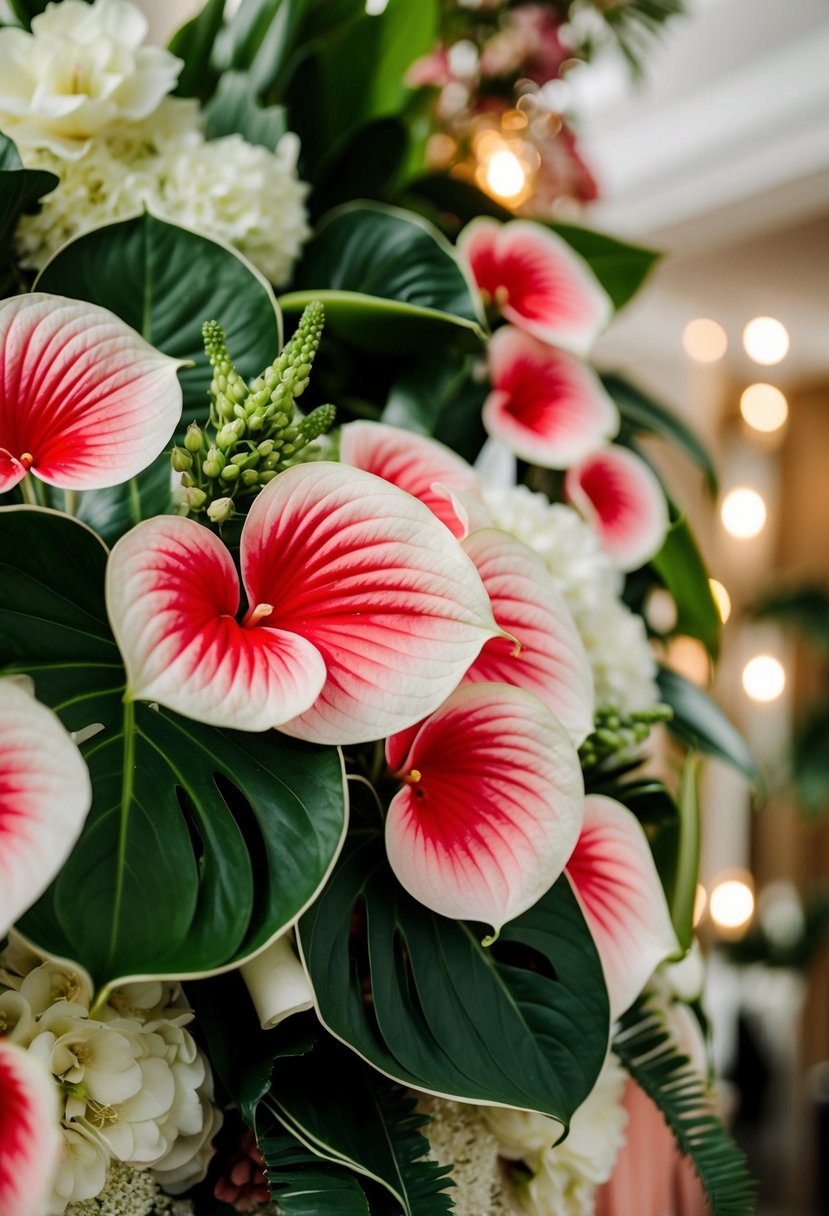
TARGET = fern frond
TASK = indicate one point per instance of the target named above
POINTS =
(646, 1048)
(301, 1184)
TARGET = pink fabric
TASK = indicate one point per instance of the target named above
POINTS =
(650, 1178)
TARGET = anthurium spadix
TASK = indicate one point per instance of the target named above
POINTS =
(85, 402)
(363, 611)
(616, 883)
(30, 1138)
(546, 405)
(490, 806)
(45, 796)
(536, 281)
(618, 494)
(417, 464)
(544, 652)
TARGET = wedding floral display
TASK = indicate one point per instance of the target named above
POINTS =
(336, 876)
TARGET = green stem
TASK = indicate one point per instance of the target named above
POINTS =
(70, 501)
(27, 489)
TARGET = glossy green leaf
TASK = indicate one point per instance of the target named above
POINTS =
(20, 189)
(620, 268)
(303, 1185)
(352, 1115)
(233, 110)
(803, 607)
(676, 851)
(681, 568)
(201, 843)
(390, 282)
(424, 390)
(166, 281)
(641, 412)
(113, 511)
(260, 39)
(363, 165)
(193, 43)
(445, 1014)
(699, 723)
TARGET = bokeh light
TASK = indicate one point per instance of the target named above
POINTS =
(731, 904)
(704, 340)
(764, 407)
(766, 340)
(505, 175)
(743, 512)
(721, 598)
(764, 678)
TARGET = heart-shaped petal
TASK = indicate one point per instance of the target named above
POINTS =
(539, 282)
(45, 795)
(619, 495)
(544, 652)
(491, 806)
(30, 1139)
(545, 405)
(369, 576)
(173, 596)
(614, 877)
(419, 465)
(85, 402)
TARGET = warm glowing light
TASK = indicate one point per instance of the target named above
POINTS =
(766, 340)
(704, 340)
(764, 678)
(721, 598)
(505, 175)
(660, 610)
(764, 407)
(732, 904)
(743, 512)
(700, 903)
(690, 658)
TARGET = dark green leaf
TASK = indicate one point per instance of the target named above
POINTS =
(680, 566)
(642, 413)
(647, 1050)
(25, 10)
(455, 200)
(425, 389)
(165, 281)
(676, 852)
(345, 1110)
(233, 110)
(193, 43)
(20, 189)
(259, 39)
(447, 1015)
(810, 761)
(804, 608)
(113, 511)
(389, 281)
(201, 843)
(700, 724)
(364, 165)
(303, 1185)
(620, 268)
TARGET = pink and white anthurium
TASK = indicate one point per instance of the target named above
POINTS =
(546, 405)
(30, 1138)
(618, 494)
(85, 402)
(364, 611)
(417, 464)
(490, 808)
(616, 883)
(544, 652)
(45, 795)
(537, 280)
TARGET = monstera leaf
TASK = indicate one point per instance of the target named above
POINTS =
(389, 281)
(202, 844)
(445, 1014)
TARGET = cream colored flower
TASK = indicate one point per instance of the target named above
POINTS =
(81, 1172)
(50, 982)
(79, 72)
(458, 1135)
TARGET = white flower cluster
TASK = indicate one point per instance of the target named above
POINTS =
(141, 149)
(130, 1192)
(563, 1179)
(623, 665)
(134, 1086)
(458, 1135)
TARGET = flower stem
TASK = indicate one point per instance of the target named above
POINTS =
(70, 501)
(27, 489)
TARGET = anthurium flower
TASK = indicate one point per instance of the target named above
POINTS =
(45, 795)
(537, 280)
(363, 611)
(614, 877)
(618, 494)
(30, 1139)
(490, 808)
(85, 402)
(546, 405)
(417, 464)
(544, 652)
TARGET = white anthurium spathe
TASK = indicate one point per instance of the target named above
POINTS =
(278, 983)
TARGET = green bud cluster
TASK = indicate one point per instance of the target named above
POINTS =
(614, 732)
(254, 431)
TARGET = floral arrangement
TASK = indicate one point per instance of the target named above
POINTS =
(333, 877)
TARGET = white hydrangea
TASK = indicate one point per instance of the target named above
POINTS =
(135, 1087)
(81, 70)
(564, 1177)
(130, 1192)
(458, 1135)
(238, 192)
(622, 662)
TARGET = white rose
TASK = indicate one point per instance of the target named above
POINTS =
(79, 72)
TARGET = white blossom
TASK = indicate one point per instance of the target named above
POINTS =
(458, 1136)
(79, 72)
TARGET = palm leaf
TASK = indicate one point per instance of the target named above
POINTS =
(646, 1048)
(301, 1184)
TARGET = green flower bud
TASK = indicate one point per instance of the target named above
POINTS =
(195, 498)
(193, 438)
(182, 461)
(229, 473)
(220, 510)
(249, 477)
(213, 462)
